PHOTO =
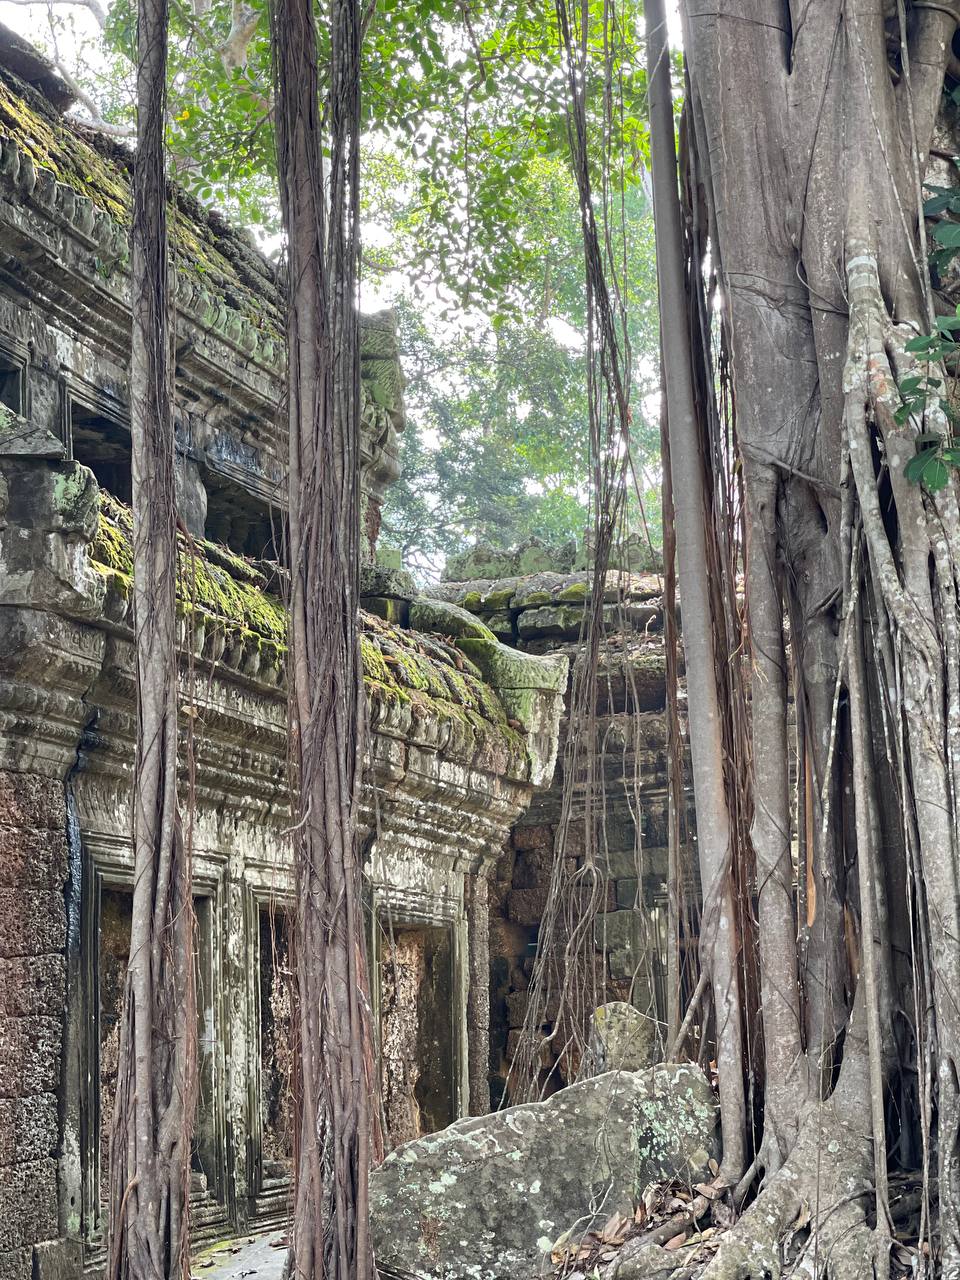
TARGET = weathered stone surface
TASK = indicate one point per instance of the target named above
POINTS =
(28, 1128)
(622, 1038)
(525, 906)
(32, 857)
(16, 1264)
(29, 1055)
(532, 556)
(27, 800)
(31, 985)
(57, 1260)
(531, 691)
(620, 934)
(550, 620)
(501, 624)
(486, 1198)
(380, 580)
(447, 620)
(32, 922)
(28, 1193)
(389, 608)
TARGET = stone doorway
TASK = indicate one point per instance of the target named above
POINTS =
(417, 1031)
(113, 908)
(275, 985)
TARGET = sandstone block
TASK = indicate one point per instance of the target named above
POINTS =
(28, 1193)
(31, 856)
(29, 1055)
(446, 619)
(32, 922)
(626, 893)
(533, 837)
(28, 1128)
(622, 1038)
(526, 906)
(486, 1198)
(31, 985)
(28, 800)
(16, 1264)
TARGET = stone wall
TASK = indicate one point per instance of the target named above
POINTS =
(453, 760)
(462, 731)
(33, 935)
(542, 613)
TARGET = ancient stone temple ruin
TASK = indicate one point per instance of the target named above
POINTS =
(464, 718)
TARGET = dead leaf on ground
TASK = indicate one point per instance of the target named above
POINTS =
(708, 1189)
(614, 1226)
(802, 1218)
(675, 1242)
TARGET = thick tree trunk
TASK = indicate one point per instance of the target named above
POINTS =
(336, 1144)
(810, 124)
(150, 1139)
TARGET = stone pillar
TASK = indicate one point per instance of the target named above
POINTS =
(478, 992)
(33, 871)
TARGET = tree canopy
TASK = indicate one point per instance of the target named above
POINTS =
(470, 227)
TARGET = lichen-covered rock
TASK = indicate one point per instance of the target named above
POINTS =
(531, 690)
(382, 580)
(487, 1197)
(532, 556)
(447, 619)
(547, 620)
(622, 1038)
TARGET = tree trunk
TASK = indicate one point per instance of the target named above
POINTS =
(810, 125)
(148, 1235)
(336, 1141)
(719, 942)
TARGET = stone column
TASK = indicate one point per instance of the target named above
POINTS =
(478, 992)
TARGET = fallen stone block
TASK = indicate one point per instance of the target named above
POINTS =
(486, 1198)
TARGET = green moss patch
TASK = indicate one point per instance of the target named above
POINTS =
(229, 590)
(39, 129)
(204, 246)
(409, 668)
(435, 680)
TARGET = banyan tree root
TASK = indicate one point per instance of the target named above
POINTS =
(810, 1220)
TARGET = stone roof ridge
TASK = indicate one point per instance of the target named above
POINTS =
(33, 67)
(79, 180)
(482, 595)
(422, 680)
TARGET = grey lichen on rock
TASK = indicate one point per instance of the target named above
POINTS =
(20, 438)
(622, 1038)
(486, 1198)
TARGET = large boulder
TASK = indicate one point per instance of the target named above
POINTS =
(486, 1198)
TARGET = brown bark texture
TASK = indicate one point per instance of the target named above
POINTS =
(149, 1167)
(335, 1127)
(809, 130)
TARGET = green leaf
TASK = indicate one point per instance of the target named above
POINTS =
(947, 234)
(928, 468)
(920, 344)
(910, 384)
(946, 198)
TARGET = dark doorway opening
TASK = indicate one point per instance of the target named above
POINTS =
(417, 1031)
(103, 445)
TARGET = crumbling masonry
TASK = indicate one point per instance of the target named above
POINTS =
(464, 728)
